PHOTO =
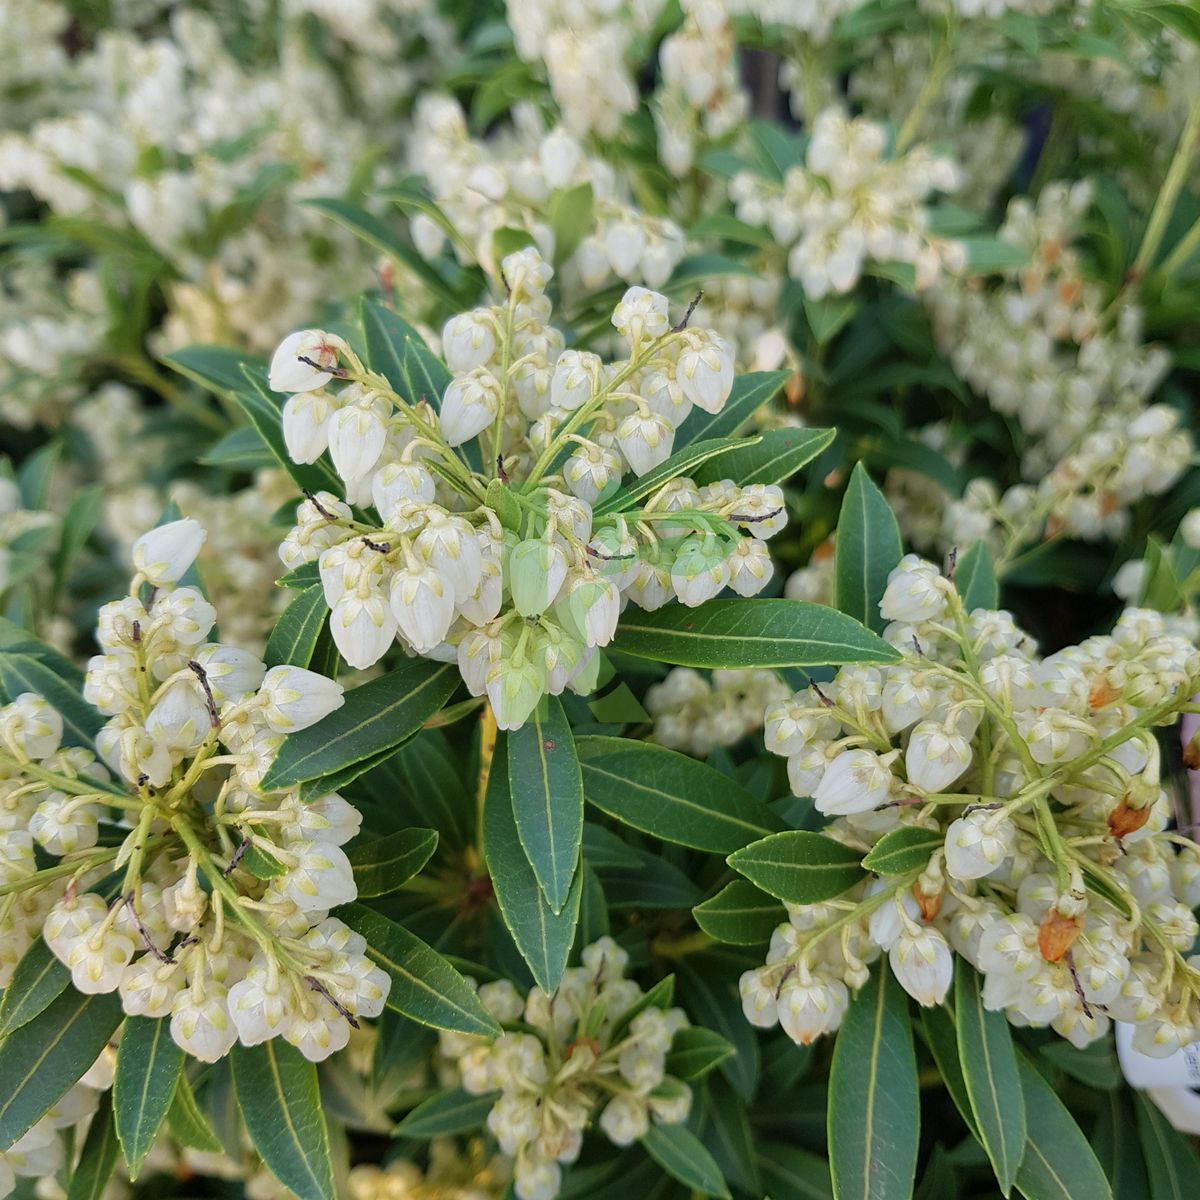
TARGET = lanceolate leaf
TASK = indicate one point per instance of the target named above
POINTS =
(696, 1051)
(39, 978)
(149, 1064)
(427, 376)
(1171, 1163)
(375, 717)
(750, 633)
(447, 1113)
(868, 547)
(1059, 1164)
(682, 1155)
(188, 1124)
(425, 987)
(975, 578)
(777, 455)
(750, 392)
(903, 850)
(741, 914)
(217, 368)
(294, 639)
(874, 1104)
(798, 866)
(543, 937)
(24, 673)
(98, 1159)
(42, 1059)
(381, 865)
(989, 1067)
(386, 334)
(671, 796)
(281, 1105)
(547, 798)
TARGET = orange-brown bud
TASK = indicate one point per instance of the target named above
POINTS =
(1102, 693)
(930, 906)
(1191, 753)
(1057, 935)
(1123, 820)
(580, 1043)
(794, 389)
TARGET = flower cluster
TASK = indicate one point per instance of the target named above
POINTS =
(1040, 780)
(220, 916)
(518, 574)
(850, 205)
(452, 1174)
(515, 182)
(593, 1041)
(694, 714)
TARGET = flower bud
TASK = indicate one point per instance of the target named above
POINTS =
(645, 440)
(289, 374)
(469, 340)
(923, 964)
(855, 782)
(306, 425)
(357, 434)
(977, 844)
(936, 757)
(164, 554)
(423, 604)
(293, 698)
(537, 570)
(471, 403)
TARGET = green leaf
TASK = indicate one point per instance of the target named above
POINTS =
(750, 393)
(446, 1114)
(940, 1035)
(975, 578)
(798, 866)
(34, 475)
(603, 848)
(680, 463)
(508, 239)
(1119, 1154)
(868, 547)
(188, 1124)
(296, 633)
(874, 1104)
(827, 317)
(696, 1051)
(671, 796)
(1059, 1164)
(683, 1156)
(903, 850)
(428, 377)
(795, 1174)
(82, 516)
(547, 798)
(989, 1067)
(25, 673)
(37, 980)
(241, 450)
(1094, 1064)
(280, 1103)
(381, 865)
(1162, 589)
(215, 368)
(264, 410)
(98, 1159)
(776, 455)
(425, 987)
(40, 1061)
(571, 215)
(741, 914)
(543, 936)
(1171, 1163)
(990, 255)
(386, 334)
(376, 717)
(750, 633)
(149, 1065)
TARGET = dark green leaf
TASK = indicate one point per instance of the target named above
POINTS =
(741, 914)
(381, 865)
(795, 1174)
(188, 1124)
(903, 850)
(776, 455)
(683, 1156)
(25, 673)
(750, 393)
(37, 980)
(750, 633)
(696, 1051)
(241, 450)
(1171, 1163)
(571, 215)
(294, 638)
(428, 378)
(670, 796)
(798, 866)
(546, 786)
(425, 987)
(874, 1104)
(543, 937)
(98, 1158)
(682, 462)
(868, 548)
(216, 368)
(281, 1105)
(975, 578)
(446, 1114)
(989, 1067)
(149, 1064)
(376, 717)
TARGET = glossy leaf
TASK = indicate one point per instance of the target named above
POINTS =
(376, 717)
(381, 865)
(695, 1051)
(776, 455)
(670, 796)
(903, 850)
(740, 913)
(294, 639)
(749, 633)
(425, 987)
(25, 673)
(149, 1064)
(683, 1156)
(750, 392)
(874, 1103)
(546, 786)
(188, 1124)
(975, 578)
(798, 866)
(795, 1174)
(40, 1061)
(1171, 1163)
(868, 548)
(682, 462)
(543, 936)
(37, 980)
(98, 1158)
(447, 1113)
(281, 1105)
(989, 1067)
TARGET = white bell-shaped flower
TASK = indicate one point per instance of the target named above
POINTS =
(471, 403)
(936, 756)
(357, 434)
(809, 1007)
(306, 425)
(164, 554)
(423, 603)
(305, 361)
(923, 964)
(201, 1024)
(645, 440)
(705, 371)
(855, 782)
(469, 340)
(363, 626)
(977, 844)
(293, 698)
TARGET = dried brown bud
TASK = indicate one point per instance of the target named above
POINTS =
(1057, 935)
(1123, 820)
(930, 906)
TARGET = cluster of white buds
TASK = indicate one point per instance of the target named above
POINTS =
(454, 1173)
(220, 920)
(1055, 876)
(1041, 348)
(517, 572)
(515, 183)
(813, 18)
(571, 1052)
(694, 713)
(850, 205)
(815, 582)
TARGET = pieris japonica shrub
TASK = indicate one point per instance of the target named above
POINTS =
(599, 599)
